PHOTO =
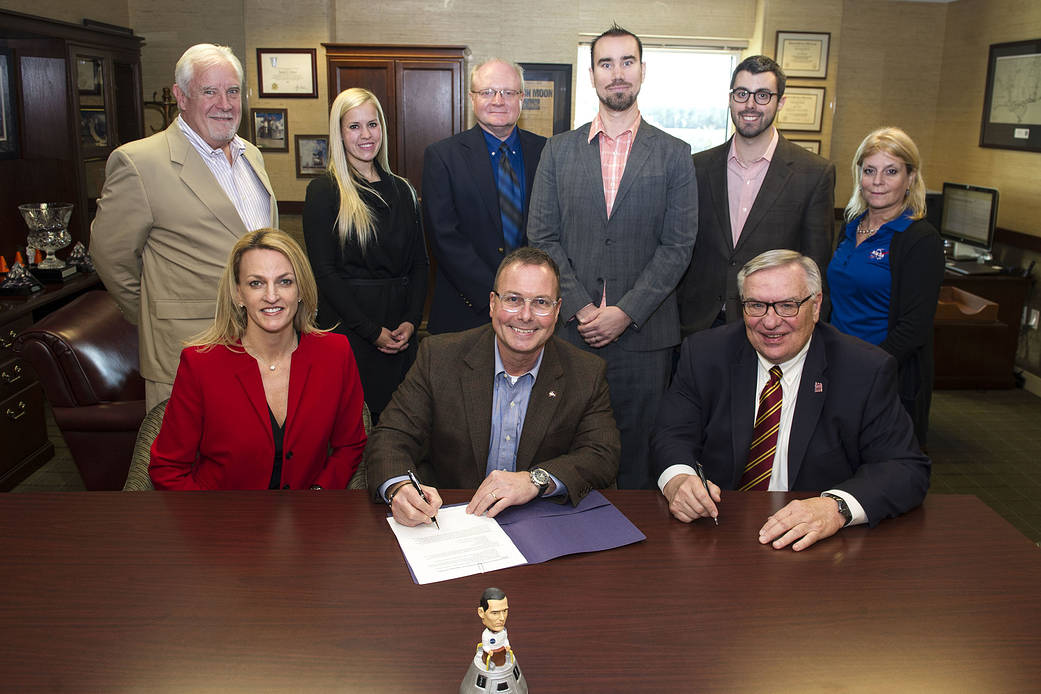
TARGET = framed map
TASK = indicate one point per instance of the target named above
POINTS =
(1012, 99)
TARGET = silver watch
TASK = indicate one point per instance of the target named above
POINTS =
(540, 478)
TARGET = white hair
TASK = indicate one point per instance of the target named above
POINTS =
(516, 68)
(203, 56)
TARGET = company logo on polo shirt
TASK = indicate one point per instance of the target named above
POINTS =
(879, 254)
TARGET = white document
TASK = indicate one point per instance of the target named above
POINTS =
(465, 545)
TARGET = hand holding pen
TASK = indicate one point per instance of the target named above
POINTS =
(704, 482)
(423, 496)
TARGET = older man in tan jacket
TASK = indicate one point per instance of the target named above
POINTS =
(173, 206)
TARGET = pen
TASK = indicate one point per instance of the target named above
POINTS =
(701, 476)
(415, 483)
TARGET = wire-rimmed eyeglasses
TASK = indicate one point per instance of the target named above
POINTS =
(490, 93)
(540, 305)
(762, 96)
(788, 308)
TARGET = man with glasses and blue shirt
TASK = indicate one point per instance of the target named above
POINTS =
(476, 186)
(785, 403)
(506, 409)
(756, 192)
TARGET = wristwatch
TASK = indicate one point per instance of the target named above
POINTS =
(843, 508)
(540, 478)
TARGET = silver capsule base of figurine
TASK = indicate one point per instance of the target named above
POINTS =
(503, 680)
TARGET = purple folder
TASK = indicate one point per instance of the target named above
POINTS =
(544, 530)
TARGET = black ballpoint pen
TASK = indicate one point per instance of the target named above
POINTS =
(701, 476)
(415, 483)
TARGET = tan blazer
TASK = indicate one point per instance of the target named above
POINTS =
(160, 240)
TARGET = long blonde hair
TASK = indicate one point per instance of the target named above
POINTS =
(896, 143)
(355, 220)
(229, 324)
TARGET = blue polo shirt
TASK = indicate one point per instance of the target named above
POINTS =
(860, 280)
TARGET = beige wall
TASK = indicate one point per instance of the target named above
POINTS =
(972, 25)
(108, 11)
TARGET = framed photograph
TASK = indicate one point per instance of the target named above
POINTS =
(803, 54)
(809, 145)
(1012, 98)
(270, 129)
(312, 155)
(546, 109)
(8, 113)
(803, 109)
(90, 76)
(93, 127)
(287, 73)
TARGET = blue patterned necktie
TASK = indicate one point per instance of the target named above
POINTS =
(510, 199)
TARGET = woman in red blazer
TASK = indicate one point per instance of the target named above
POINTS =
(263, 399)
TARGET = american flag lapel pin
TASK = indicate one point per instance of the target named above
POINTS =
(818, 387)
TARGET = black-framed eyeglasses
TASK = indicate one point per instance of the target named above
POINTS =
(490, 93)
(540, 305)
(762, 97)
(785, 309)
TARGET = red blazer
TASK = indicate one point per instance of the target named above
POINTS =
(216, 432)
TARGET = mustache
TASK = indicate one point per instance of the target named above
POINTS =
(619, 83)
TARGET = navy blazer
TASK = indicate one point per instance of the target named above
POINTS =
(850, 433)
(464, 226)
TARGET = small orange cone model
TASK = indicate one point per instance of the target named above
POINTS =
(3, 265)
(38, 258)
(18, 258)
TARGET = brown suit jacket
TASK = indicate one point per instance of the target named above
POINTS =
(444, 407)
(160, 241)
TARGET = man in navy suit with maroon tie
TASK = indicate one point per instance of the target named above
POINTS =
(828, 417)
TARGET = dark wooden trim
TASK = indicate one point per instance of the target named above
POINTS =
(20, 25)
(1018, 239)
(290, 207)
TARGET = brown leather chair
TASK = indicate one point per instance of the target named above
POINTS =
(85, 355)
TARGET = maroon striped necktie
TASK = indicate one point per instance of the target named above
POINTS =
(764, 437)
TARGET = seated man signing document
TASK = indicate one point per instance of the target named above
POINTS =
(783, 403)
(508, 409)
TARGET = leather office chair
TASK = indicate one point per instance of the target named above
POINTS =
(138, 479)
(85, 355)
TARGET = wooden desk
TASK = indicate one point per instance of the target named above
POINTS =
(301, 591)
(980, 355)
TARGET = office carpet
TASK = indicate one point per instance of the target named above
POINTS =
(982, 442)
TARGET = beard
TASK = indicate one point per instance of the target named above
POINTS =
(618, 101)
(754, 128)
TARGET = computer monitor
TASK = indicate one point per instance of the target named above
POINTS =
(968, 218)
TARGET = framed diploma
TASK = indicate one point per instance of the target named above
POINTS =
(803, 109)
(809, 145)
(287, 73)
(1012, 98)
(802, 54)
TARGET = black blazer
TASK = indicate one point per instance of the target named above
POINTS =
(916, 262)
(795, 209)
(850, 434)
(464, 226)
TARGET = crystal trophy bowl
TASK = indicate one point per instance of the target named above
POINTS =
(48, 224)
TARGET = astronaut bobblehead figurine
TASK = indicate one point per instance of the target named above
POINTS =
(493, 664)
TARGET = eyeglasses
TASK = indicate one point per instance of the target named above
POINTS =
(762, 97)
(490, 93)
(784, 309)
(540, 305)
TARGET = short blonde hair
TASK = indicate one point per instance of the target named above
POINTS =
(896, 143)
(229, 324)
